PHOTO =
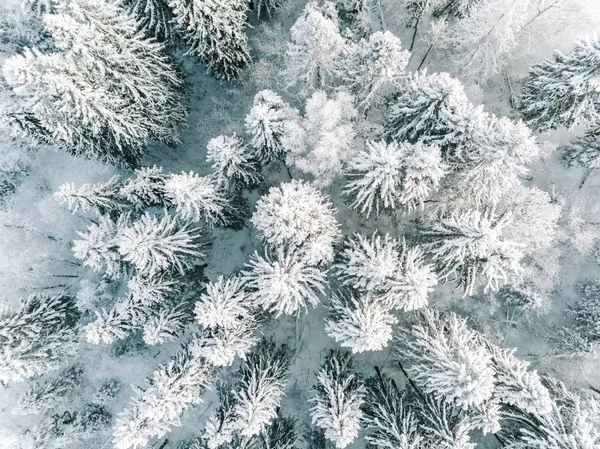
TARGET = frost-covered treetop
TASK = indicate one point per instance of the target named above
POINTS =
(297, 215)
(197, 197)
(265, 124)
(314, 50)
(375, 68)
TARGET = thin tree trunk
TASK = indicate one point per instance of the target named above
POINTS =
(585, 177)
(414, 36)
(412, 384)
(425, 57)
(381, 19)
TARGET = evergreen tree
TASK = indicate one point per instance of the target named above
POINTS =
(221, 345)
(447, 359)
(41, 398)
(297, 215)
(471, 247)
(323, 141)
(454, 8)
(565, 91)
(483, 41)
(232, 163)
(224, 304)
(516, 385)
(339, 396)
(266, 125)
(315, 50)
(172, 389)
(572, 423)
(261, 386)
(152, 245)
(389, 421)
(197, 198)
(387, 176)
(97, 247)
(63, 429)
(375, 69)
(109, 91)
(37, 337)
(215, 31)
(220, 425)
(394, 275)
(103, 198)
(268, 7)
(356, 14)
(281, 434)
(166, 325)
(361, 323)
(146, 188)
(583, 151)
(285, 283)
(494, 153)
(154, 18)
(430, 108)
(444, 426)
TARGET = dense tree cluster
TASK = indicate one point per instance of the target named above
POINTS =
(357, 204)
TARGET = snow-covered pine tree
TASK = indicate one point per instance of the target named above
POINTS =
(388, 419)
(146, 188)
(374, 69)
(339, 395)
(266, 125)
(583, 151)
(482, 42)
(357, 15)
(232, 163)
(444, 426)
(431, 108)
(470, 247)
(37, 337)
(454, 8)
(215, 31)
(585, 312)
(102, 197)
(153, 245)
(164, 325)
(172, 389)
(565, 91)
(41, 398)
(154, 18)
(268, 7)
(393, 273)
(219, 429)
(224, 304)
(197, 198)
(109, 91)
(73, 426)
(323, 141)
(315, 50)
(572, 423)
(387, 176)
(281, 434)
(446, 359)
(494, 153)
(367, 264)
(221, 345)
(114, 324)
(516, 385)
(261, 387)
(359, 322)
(284, 282)
(97, 247)
(296, 215)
